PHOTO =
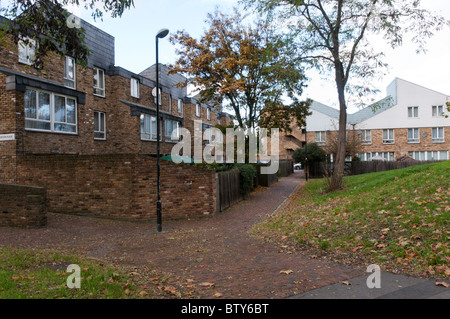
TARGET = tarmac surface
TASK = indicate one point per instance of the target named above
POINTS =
(218, 256)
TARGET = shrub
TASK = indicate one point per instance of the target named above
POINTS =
(247, 177)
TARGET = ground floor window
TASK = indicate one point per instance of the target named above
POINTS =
(430, 156)
(377, 156)
(99, 126)
(169, 128)
(46, 111)
(149, 128)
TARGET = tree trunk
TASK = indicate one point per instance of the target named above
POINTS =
(339, 165)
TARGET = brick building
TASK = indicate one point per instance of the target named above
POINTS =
(99, 110)
(409, 122)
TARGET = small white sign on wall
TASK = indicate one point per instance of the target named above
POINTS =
(7, 137)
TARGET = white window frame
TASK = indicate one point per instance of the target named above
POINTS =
(174, 126)
(101, 130)
(389, 138)
(52, 117)
(197, 110)
(366, 137)
(208, 114)
(147, 122)
(321, 138)
(425, 155)
(29, 51)
(413, 112)
(438, 138)
(99, 88)
(135, 88)
(413, 135)
(437, 111)
(180, 107)
(71, 83)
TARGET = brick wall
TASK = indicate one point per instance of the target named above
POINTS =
(22, 206)
(120, 186)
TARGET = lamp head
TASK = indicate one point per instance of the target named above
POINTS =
(162, 33)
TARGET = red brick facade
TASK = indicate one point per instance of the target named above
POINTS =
(110, 177)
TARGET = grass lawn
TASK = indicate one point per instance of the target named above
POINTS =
(41, 274)
(397, 219)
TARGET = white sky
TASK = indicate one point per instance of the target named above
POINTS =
(135, 44)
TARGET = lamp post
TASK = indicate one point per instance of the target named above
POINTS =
(161, 34)
(306, 153)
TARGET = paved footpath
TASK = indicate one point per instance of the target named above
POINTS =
(217, 250)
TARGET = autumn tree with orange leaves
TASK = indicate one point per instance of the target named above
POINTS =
(247, 68)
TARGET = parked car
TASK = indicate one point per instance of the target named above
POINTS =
(298, 167)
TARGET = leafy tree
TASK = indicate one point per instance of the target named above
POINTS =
(312, 153)
(333, 37)
(50, 25)
(249, 68)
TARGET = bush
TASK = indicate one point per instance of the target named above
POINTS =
(315, 154)
(247, 177)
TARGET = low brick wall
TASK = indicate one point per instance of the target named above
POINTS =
(120, 186)
(22, 206)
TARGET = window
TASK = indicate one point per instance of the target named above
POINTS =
(208, 114)
(135, 88)
(388, 137)
(366, 137)
(51, 112)
(197, 110)
(99, 82)
(149, 128)
(170, 103)
(27, 51)
(70, 72)
(413, 135)
(413, 111)
(169, 128)
(438, 135)
(99, 125)
(180, 107)
(429, 156)
(321, 138)
(438, 111)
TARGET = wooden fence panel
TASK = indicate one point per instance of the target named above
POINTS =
(229, 189)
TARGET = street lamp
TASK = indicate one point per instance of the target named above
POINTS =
(161, 34)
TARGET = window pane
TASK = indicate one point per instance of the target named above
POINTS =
(44, 106)
(102, 122)
(60, 109)
(65, 128)
(153, 128)
(71, 111)
(443, 156)
(37, 125)
(96, 122)
(30, 104)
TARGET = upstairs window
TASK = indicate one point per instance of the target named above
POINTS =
(388, 137)
(321, 138)
(135, 91)
(180, 107)
(366, 137)
(197, 110)
(70, 72)
(413, 135)
(438, 111)
(413, 112)
(208, 114)
(438, 135)
(27, 51)
(99, 82)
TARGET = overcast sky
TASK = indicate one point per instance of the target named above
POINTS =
(135, 44)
